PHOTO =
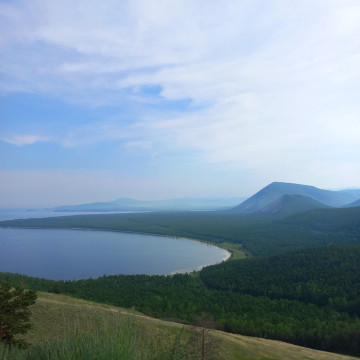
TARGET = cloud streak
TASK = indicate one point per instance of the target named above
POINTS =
(22, 140)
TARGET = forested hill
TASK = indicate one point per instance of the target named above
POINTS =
(324, 276)
(312, 228)
(346, 219)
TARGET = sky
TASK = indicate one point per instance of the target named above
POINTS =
(162, 99)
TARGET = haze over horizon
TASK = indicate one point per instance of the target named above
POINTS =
(168, 99)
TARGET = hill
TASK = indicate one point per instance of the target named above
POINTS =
(277, 189)
(180, 204)
(353, 204)
(324, 220)
(66, 323)
(317, 227)
(355, 192)
(287, 205)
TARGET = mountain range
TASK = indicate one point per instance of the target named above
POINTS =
(353, 204)
(287, 198)
(181, 204)
(277, 198)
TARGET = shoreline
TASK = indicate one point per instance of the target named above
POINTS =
(227, 254)
(199, 268)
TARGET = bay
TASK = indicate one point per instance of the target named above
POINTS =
(80, 254)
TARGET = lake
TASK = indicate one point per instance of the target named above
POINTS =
(80, 254)
(11, 214)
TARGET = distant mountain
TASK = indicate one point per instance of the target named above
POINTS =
(291, 204)
(275, 190)
(355, 192)
(125, 204)
(353, 204)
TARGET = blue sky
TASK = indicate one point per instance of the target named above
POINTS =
(161, 99)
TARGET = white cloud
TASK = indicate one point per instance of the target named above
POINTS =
(191, 51)
(270, 83)
(24, 139)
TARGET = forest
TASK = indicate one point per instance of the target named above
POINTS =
(325, 276)
(299, 284)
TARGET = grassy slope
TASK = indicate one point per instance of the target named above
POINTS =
(58, 315)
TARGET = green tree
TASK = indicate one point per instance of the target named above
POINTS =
(15, 313)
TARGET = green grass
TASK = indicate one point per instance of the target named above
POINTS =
(237, 251)
(66, 328)
(98, 335)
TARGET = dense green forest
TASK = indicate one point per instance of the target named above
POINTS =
(259, 235)
(280, 312)
(323, 276)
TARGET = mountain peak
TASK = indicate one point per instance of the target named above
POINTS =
(275, 190)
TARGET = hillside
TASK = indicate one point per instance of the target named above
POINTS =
(58, 317)
(317, 227)
(353, 204)
(277, 189)
(321, 276)
(287, 205)
(335, 220)
(355, 192)
(183, 297)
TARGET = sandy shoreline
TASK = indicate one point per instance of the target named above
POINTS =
(227, 253)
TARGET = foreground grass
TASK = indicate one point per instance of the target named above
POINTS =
(66, 328)
(103, 341)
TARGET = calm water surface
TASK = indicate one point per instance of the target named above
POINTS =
(79, 254)
(6, 214)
